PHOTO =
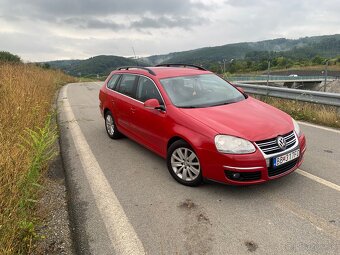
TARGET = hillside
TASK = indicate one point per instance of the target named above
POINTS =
(101, 65)
(326, 46)
(253, 54)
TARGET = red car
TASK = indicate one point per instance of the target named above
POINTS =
(202, 125)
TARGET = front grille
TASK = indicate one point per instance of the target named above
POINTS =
(281, 169)
(270, 146)
(244, 176)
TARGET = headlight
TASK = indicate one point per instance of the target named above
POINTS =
(296, 127)
(233, 145)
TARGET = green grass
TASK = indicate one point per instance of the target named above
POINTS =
(314, 113)
(39, 145)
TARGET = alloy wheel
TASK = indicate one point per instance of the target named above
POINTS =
(110, 126)
(185, 164)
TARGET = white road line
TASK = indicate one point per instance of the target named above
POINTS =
(319, 127)
(318, 179)
(123, 237)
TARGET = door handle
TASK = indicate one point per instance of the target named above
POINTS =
(112, 101)
(133, 110)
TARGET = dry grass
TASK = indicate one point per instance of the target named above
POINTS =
(314, 68)
(26, 95)
(315, 113)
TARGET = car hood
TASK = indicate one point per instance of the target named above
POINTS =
(250, 119)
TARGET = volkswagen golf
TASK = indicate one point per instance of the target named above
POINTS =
(204, 126)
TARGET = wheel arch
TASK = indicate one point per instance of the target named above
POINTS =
(106, 110)
(176, 138)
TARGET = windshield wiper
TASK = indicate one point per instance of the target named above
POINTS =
(188, 107)
(224, 103)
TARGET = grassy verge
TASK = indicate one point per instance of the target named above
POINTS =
(314, 113)
(26, 139)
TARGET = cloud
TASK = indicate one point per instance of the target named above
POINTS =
(142, 23)
(167, 22)
(93, 14)
(61, 8)
(93, 23)
(55, 29)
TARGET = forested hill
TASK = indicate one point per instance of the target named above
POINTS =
(251, 55)
(101, 65)
(325, 46)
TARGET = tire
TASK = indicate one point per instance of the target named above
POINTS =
(183, 164)
(110, 126)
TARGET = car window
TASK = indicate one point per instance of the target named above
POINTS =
(146, 89)
(197, 91)
(113, 81)
(127, 85)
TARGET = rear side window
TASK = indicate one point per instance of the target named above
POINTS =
(147, 90)
(127, 85)
(113, 81)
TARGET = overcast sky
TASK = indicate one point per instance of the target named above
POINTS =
(39, 30)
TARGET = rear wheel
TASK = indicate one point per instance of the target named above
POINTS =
(183, 164)
(111, 127)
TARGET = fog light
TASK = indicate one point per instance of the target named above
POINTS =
(236, 175)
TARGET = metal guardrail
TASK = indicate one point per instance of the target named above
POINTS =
(278, 78)
(316, 97)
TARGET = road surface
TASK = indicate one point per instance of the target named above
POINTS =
(124, 201)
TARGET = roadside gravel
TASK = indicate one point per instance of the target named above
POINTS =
(54, 235)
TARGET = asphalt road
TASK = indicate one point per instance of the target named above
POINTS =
(124, 201)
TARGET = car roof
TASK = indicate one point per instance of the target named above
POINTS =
(165, 72)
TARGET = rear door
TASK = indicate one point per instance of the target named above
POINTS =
(111, 86)
(123, 101)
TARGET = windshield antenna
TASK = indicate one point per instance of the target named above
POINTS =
(134, 53)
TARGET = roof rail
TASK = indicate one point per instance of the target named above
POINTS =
(183, 65)
(136, 67)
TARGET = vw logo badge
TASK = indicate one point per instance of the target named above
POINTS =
(281, 142)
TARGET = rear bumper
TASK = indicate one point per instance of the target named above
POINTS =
(247, 169)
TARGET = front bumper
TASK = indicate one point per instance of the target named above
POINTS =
(248, 169)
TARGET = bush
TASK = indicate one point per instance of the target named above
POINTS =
(8, 57)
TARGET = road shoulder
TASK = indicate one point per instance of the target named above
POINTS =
(54, 232)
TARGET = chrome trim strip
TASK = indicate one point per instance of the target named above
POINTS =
(244, 168)
(274, 141)
(290, 142)
(271, 148)
(289, 136)
(267, 143)
(294, 147)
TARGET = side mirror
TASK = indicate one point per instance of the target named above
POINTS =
(153, 104)
(241, 90)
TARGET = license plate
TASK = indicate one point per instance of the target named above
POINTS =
(286, 158)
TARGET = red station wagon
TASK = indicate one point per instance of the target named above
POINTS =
(205, 128)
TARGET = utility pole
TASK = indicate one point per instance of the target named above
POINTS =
(326, 74)
(224, 60)
(268, 73)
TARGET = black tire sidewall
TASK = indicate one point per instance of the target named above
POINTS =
(172, 148)
(116, 133)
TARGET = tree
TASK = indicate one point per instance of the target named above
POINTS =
(318, 60)
(8, 57)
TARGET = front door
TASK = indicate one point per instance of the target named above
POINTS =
(149, 124)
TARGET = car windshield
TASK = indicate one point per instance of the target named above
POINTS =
(200, 91)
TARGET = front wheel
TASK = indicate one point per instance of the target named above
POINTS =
(111, 127)
(183, 164)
